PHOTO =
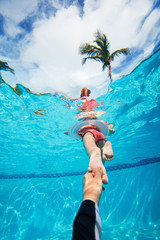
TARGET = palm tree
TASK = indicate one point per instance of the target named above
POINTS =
(4, 66)
(100, 52)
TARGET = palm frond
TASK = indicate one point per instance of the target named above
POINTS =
(101, 40)
(124, 51)
(104, 66)
(88, 49)
(100, 36)
(4, 66)
(96, 58)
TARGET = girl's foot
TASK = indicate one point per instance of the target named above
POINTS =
(107, 151)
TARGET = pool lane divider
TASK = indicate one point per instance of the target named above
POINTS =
(59, 175)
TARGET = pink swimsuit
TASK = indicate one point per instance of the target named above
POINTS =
(90, 104)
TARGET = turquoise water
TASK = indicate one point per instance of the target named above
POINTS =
(41, 169)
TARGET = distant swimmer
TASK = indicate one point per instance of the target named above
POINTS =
(93, 132)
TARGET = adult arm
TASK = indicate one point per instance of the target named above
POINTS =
(87, 223)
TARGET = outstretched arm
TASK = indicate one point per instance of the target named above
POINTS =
(110, 128)
(87, 224)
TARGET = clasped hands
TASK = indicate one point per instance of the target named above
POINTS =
(92, 185)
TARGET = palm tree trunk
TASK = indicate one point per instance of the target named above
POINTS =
(110, 74)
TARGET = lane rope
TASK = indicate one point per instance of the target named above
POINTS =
(60, 175)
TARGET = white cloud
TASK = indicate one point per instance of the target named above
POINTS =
(53, 45)
(17, 10)
(11, 27)
(14, 12)
(146, 34)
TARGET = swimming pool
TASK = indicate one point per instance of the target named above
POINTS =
(41, 169)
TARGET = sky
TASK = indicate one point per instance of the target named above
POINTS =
(40, 40)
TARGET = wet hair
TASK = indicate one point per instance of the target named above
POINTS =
(85, 92)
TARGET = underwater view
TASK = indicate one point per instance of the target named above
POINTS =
(41, 168)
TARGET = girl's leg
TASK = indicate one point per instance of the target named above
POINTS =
(94, 154)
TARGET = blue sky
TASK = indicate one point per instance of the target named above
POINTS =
(40, 40)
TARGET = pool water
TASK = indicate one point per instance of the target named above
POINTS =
(41, 168)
